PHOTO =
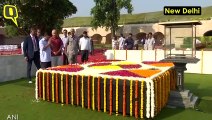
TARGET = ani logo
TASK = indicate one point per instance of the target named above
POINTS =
(12, 117)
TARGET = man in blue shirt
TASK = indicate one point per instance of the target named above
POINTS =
(45, 51)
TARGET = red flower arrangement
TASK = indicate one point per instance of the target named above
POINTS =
(130, 66)
(122, 73)
(100, 64)
(67, 68)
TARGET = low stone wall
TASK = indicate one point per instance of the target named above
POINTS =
(202, 67)
(13, 67)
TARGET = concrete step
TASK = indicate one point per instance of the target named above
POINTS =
(178, 94)
(184, 99)
(194, 101)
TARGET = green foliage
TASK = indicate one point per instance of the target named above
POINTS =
(141, 18)
(11, 31)
(207, 40)
(102, 46)
(106, 13)
(45, 14)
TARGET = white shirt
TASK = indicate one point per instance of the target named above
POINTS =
(45, 55)
(121, 42)
(85, 43)
(150, 43)
(198, 41)
(65, 40)
(22, 45)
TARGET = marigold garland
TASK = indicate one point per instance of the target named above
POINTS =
(48, 87)
(117, 96)
(89, 99)
(136, 99)
(93, 94)
(72, 89)
(159, 95)
(164, 89)
(40, 86)
(53, 87)
(57, 95)
(99, 94)
(82, 92)
(44, 98)
(105, 97)
(156, 96)
(77, 89)
(67, 89)
(124, 98)
(111, 96)
(131, 91)
(62, 100)
(142, 100)
(126, 54)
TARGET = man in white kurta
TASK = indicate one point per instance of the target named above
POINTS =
(150, 42)
(121, 42)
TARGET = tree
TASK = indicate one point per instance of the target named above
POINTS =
(44, 14)
(106, 13)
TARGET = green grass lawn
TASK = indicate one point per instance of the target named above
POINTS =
(17, 97)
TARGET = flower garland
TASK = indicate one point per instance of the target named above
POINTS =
(131, 91)
(82, 92)
(40, 87)
(142, 100)
(152, 97)
(163, 90)
(44, 98)
(93, 94)
(67, 89)
(77, 89)
(53, 87)
(156, 95)
(105, 96)
(99, 93)
(117, 96)
(160, 94)
(136, 99)
(36, 85)
(62, 101)
(57, 95)
(148, 99)
(48, 88)
(168, 80)
(124, 98)
(72, 89)
(89, 99)
(165, 87)
(111, 96)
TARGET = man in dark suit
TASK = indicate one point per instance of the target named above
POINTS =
(129, 42)
(31, 52)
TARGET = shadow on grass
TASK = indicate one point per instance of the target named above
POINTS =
(168, 112)
(20, 82)
(12, 81)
